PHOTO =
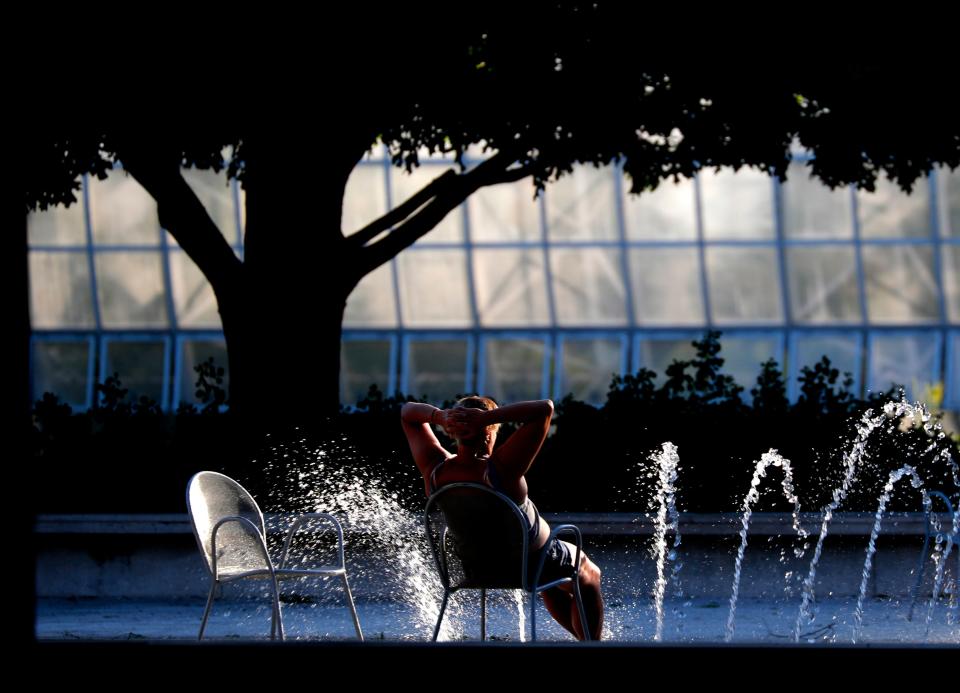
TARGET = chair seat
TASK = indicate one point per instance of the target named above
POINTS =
(307, 572)
(281, 573)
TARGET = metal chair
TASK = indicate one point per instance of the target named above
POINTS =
(485, 545)
(231, 535)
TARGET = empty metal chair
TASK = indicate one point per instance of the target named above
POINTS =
(231, 535)
(484, 544)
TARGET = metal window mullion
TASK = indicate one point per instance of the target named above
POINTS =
(91, 264)
(558, 340)
(178, 348)
(628, 365)
(393, 340)
(780, 233)
(404, 358)
(547, 269)
(938, 276)
(91, 369)
(481, 368)
(866, 342)
(555, 356)
(471, 380)
(548, 351)
(470, 365)
(98, 343)
(166, 395)
(702, 252)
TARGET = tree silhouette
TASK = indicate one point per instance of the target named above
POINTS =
(541, 88)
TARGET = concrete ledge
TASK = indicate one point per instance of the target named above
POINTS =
(616, 524)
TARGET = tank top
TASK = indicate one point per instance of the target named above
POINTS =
(491, 478)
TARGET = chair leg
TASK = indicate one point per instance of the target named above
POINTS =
(483, 615)
(443, 607)
(353, 608)
(580, 610)
(206, 611)
(276, 622)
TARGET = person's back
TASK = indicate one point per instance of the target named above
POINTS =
(473, 423)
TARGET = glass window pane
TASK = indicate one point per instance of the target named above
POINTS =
(666, 286)
(952, 397)
(736, 205)
(823, 284)
(58, 225)
(588, 286)
(743, 355)
(130, 289)
(404, 185)
(364, 363)
(437, 369)
(511, 287)
(588, 367)
(891, 213)
(502, 213)
(63, 369)
(582, 205)
(842, 350)
(433, 288)
(657, 354)
(950, 257)
(669, 213)
(912, 361)
(364, 198)
(744, 285)
(900, 284)
(243, 211)
(371, 303)
(197, 351)
(215, 192)
(813, 210)
(193, 297)
(513, 369)
(950, 200)
(60, 293)
(140, 365)
(122, 212)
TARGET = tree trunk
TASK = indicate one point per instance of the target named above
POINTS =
(282, 317)
(282, 330)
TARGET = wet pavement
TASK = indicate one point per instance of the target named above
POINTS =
(689, 621)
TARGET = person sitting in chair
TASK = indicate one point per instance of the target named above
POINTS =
(473, 423)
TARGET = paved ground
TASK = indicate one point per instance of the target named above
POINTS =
(685, 622)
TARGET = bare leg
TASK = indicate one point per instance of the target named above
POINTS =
(562, 606)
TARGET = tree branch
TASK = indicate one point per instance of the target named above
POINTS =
(490, 172)
(184, 216)
(398, 214)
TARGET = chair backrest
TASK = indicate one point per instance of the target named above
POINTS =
(487, 535)
(212, 496)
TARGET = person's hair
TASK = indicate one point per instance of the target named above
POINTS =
(478, 402)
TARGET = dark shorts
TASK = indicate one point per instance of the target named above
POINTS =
(558, 563)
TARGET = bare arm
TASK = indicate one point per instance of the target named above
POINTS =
(516, 456)
(416, 418)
